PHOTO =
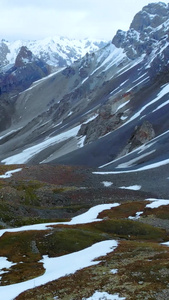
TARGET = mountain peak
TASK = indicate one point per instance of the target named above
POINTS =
(148, 29)
(152, 15)
(24, 56)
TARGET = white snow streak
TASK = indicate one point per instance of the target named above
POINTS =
(28, 153)
(9, 173)
(132, 187)
(60, 266)
(165, 244)
(163, 92)
(137, 216)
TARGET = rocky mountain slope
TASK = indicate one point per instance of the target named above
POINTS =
(97, 103)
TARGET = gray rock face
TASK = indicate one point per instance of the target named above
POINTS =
(3, 53)
(24, 56)
(149, 27)
(153, 15)
(142, 135)
(27, 69)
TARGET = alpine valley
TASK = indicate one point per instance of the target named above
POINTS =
(84, 146)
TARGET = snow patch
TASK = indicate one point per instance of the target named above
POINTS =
(28, 153)
(9, 173)
(104, 296)
(91, 118)
(114, 271)
(107, 183)
(61, 266)
(85, 218)
(92, 213)
(137, 216)
(121, 106)
(165, 244)
(156, 202)
(81, 141)
(132, 187)
(5, 264)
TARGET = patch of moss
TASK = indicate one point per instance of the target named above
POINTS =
(67, 240)
(129, 229)
(22, 272)
(62, 189)
(6, 214)
(124, 210)
(6, 168)
(28, 247)
(161, 212)
(22, 221)
(29, 191)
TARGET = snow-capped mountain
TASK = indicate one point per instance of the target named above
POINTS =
(55, 51)
(108, 109)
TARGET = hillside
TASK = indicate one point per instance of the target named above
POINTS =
(112, 234)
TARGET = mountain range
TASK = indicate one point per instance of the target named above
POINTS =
(55, 51)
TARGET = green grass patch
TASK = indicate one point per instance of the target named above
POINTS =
(6, 168)
(161, 212)
(29, 191)
(124, 210)
(128, 229)
(67, 240)
(27, 248)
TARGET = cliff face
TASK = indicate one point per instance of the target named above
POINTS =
(148, 31)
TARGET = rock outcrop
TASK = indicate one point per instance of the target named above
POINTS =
(148, 28)
(141, 135)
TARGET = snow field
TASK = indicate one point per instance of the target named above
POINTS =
(61, 266)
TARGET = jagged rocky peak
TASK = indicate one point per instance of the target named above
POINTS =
(148, 27)
(24, 56)
(153, 15)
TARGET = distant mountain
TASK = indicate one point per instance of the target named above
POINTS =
(55, 51)
(108, 109)
(26, 69)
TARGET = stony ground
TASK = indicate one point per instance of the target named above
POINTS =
(51, 193)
